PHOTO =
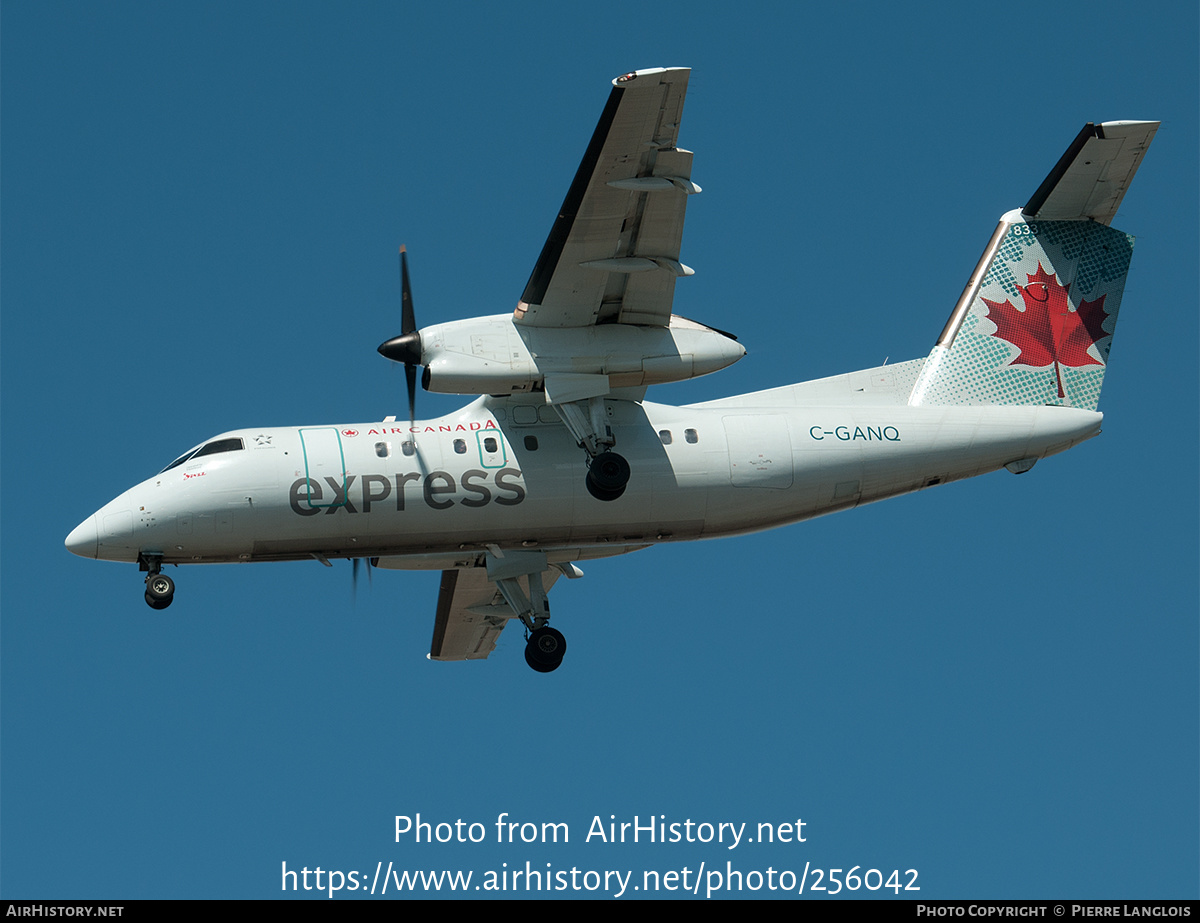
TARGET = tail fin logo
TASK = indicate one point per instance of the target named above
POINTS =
(1047, 331)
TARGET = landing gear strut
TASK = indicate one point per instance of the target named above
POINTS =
(160, 589)
(544, 646)
(587, 421)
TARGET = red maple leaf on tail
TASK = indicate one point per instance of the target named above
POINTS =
(1048, 331)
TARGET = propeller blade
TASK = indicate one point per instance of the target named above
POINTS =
(410, 378)
(408, 320)
(354, 571)
(406, 348)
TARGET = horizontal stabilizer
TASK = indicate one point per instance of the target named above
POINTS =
(1090, 179)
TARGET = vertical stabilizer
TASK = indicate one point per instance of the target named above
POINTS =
(1035, 322)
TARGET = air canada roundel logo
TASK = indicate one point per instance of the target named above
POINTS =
(1047, 332)
(349, 432)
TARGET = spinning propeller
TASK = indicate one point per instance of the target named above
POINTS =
(406, 348)
(354, 576)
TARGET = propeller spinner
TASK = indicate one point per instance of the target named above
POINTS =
(406, 348)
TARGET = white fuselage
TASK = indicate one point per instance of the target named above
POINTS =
(502, 474)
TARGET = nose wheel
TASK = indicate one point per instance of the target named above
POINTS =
(160, 589)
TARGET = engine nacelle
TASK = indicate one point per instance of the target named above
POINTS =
(493, 355)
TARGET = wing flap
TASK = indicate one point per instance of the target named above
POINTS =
(471, 613)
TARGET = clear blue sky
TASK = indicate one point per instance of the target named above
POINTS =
(994, 682)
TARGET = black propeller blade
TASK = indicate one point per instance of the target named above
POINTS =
(354, 576)
(406, 348)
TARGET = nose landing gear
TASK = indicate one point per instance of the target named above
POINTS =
(160, 589)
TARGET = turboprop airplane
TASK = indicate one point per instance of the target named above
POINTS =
(560, 459)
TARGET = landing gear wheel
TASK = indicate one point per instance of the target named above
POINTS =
(545, 649)
(540, 667)
(160, 590)
(608, 475)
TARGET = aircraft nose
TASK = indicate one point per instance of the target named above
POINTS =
(83, 538)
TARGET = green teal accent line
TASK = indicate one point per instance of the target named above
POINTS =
(342, 457)
(479, 437)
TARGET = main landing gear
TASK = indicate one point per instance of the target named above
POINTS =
(608, 474)
(587, 421)
(160, 589)
(544, 646)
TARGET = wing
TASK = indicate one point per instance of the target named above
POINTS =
(471, 613)
(613, 253)
(1090, 179)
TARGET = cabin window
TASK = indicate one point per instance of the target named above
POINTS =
(408, 447)
(531, 443)
(460, 447)
(665, 436)
(382, 449)
(690, 436)
(489, 444)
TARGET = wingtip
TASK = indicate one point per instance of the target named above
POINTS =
(648, 71)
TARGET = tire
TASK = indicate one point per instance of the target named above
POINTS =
(601, 494)
(160, 586)
(608, 475)
(609, 470)
(546, 647)
(539, 667)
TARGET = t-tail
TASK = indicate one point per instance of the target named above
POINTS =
(1035, 322)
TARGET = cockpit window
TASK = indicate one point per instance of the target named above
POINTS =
(220, 445)
(210, 448)
(180, 460)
